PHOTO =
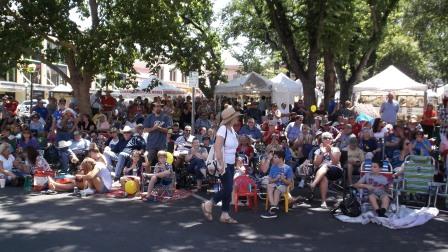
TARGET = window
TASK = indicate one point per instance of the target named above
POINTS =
(53, 78)
(184, 78)
(35, 76)
(160, 74)
(9, 75)
(173, 75)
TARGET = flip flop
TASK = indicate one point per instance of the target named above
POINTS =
(228, 220)
(49, 192)
(148, 200)
(207, 214)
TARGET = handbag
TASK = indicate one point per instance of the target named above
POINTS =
(211, 163)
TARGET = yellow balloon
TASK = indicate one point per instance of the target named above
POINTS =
(313, 108)
(169, 158)
(130, 187)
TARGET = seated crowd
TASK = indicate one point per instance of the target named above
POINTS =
(123, 140)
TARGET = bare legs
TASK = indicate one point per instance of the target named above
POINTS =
(273, 195)
(322, 180)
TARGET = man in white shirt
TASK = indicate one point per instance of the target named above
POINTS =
(285, 113)
(182, 145)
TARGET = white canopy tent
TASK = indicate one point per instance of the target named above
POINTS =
(390, 79)
(285, 89)
(250, 84)
(162, 89)
(62, 89)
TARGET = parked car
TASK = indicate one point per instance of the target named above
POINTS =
(24, 107)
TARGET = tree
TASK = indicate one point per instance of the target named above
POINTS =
(401, 49)
(292, 28)
(365, 31)
(426, 21)
(119, 32)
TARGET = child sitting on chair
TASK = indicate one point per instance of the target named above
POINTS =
(240, 169)
(280, 177)
(377, 185)
(162, 173)
(133, 168)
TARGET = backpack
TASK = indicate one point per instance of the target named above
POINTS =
(350, 205)
(211, 163)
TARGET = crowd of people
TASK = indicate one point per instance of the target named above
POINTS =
(123, 139)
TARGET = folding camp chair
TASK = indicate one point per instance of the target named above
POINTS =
(418, 178)
(386, 171)
(163, 190)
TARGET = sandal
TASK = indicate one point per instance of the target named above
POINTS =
(228, 220)
(207, 214)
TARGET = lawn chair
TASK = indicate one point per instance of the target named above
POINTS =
(161, 191)
(285, 197)
(386, 171)
(418, 178)
(441, 191)
(244, 186)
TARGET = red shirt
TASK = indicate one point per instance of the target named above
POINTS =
(248, 150)
(427, 115)
(356, 128)
(135, 109)
(108, 103)
(11, 106)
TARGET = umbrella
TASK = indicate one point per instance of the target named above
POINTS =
(364, 117)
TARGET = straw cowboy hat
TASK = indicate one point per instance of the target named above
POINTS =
(228, 114)
(127, 129)
(64, 144)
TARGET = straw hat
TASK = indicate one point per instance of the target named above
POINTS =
(127, 129)
(64, 144)
(228, 114)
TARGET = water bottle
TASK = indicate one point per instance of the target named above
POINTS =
(134, 171)
(27, 185)
(215, 188)
(302, 183)
(364, 208)
(219, 185)
(250, 187)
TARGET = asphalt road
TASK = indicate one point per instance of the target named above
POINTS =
(64, 223)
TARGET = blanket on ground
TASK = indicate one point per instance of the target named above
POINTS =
(403, 218)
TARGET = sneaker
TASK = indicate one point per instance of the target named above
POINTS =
(269, 215)
(219, 204)
(87, 192)
(324, 205)
(274, 209)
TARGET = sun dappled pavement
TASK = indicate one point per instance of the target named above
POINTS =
(64, 223)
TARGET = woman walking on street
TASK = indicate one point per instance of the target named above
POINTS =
(225, 151)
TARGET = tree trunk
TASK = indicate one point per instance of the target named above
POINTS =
(81, 88)
(346, 91)
(309, 92)
(329, 77)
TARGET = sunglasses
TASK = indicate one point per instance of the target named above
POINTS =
(408, 143)
(327, 138)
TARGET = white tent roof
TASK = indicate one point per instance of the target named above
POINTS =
(161, 89)
(62, 89)
(285, 89)
(252, 83)
(390, 79)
